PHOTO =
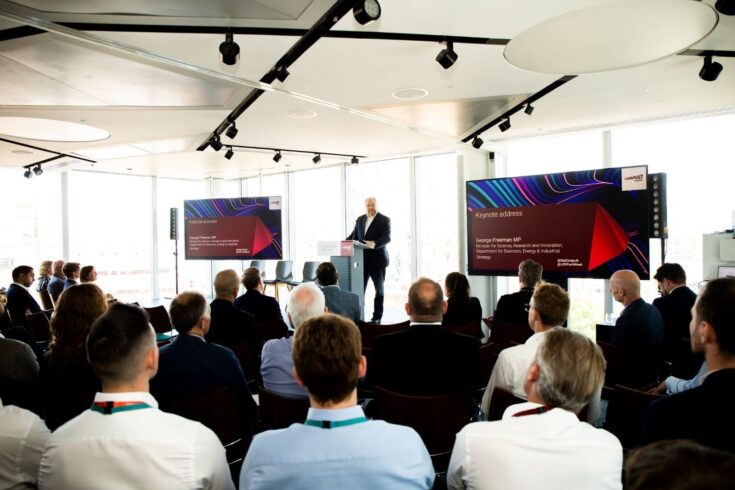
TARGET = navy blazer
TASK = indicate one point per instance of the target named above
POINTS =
(639, 325)
(20, 300)
(56, 286)
(342, 302)
(512, 307)
(675, 309)
(231, 326)
(264, 308)
(379, 232)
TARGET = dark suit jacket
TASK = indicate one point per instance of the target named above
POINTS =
(462, 314)
(639, 325)
(512, 307)
(263, 308)
(675, 309)
(704, 414)
(70, 282)
(379, 232)
(231, 326)
(66, 388)
(20, 300)
(192, 366)
(56, 286)
(424, 360)
(342, 303)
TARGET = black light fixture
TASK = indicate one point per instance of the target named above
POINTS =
(725, 7)
(366, 11)
(230, 153)
(231, 131)
(229, 50)
(477, 141)
(317, 158)
(354, 161)
(215, 143)
(38, 170)
(282, 74)
(277, 157)
(28, 174)
(710, 70)
(529, 109)
(447, 56)
(505, 125)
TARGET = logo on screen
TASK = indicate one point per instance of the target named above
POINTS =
(633, 179)
(274, 202)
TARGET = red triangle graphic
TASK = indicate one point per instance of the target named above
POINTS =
(609, 239)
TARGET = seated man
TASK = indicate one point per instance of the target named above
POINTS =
(124, 440)
(18, 364)
(340, 302)
(511, 307)
(20, 300)
(542, 443)
(230, 326)
(640, 324)
(56, 284)
(276, 367)
(425, 359)
(71, 270)
(263, 308)
(23, 437)
(191, 366)
(675, 305)
(712, 331)
(336, 447)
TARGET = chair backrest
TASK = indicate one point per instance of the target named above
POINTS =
(277, 412)
(159, 318)
(488, 358)
(309, 273)
(626, 411)
(500, 399)
(503, 334)
(274, 329)
(284, 270)
(472, 329)
(369, 331)
(635, 368)
(249, 362)
(260, 265)
(39, 326)
(46, 301)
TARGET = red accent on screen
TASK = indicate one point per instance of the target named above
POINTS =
(609, 239)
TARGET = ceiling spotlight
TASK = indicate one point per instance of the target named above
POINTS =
(282, 74)
(477, 141)
(28, 174)
(215, 143)
(277, 157)
(710, 70)
(505, 125)
(366, 11)
(447, 56)
(230, 153)
(317, 158)
(725, 7)
(354, 161)
(38, 170)
(529, 109)
(229, 50)
(231, 131)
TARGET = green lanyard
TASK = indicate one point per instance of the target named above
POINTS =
(108, 408)
(333, 424)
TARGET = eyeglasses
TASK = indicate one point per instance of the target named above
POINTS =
(528, 307)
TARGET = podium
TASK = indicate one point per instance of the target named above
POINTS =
(347, 257)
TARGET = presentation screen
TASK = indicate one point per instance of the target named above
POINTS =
(576, 224)
(237, 228)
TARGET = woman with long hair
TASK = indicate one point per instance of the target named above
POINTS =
(461, 307)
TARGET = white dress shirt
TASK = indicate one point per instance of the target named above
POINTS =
(369, 221)
(143, 448)
(549, 450)
(23, 437)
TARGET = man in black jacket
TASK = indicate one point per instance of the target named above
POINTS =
(675, 304)
(230, 326)
(512, 307)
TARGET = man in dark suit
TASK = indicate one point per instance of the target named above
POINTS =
(230, 326)
(675, 304)
(425, 359)
(191, 366)
(341, 302)
(263, 308)
(20, 300)
(373, 229)
(56, 284)
(512, 307)
(704, 413)
(71, 271)
(640, 324)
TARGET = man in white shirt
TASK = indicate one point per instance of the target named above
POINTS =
(23, 437)
(123, 440)
(541, 443)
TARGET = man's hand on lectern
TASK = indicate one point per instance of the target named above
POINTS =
(370, 243)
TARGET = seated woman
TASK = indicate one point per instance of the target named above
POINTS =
(461, 307)
(67, 382)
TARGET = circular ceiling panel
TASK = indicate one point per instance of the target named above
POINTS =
(50, 130)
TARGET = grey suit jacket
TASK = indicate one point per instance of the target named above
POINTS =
(342, 302)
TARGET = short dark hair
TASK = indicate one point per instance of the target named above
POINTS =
(186, 310)
(70, 268)
(326, 274)
(85, 272)
(251, 278)
(673, 272)
(118, 340)
(716, 306)
(20, 270)
(530, 272)
(425, 298)
(326, 354)
(551, 303)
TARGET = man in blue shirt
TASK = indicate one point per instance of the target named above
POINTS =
(336, 447)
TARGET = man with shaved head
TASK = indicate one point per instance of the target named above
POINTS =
(640, 324)
(56, 284)
(373, 230)
(230, 326)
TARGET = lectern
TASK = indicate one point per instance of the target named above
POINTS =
(346, 255)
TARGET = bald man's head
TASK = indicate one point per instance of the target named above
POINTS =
(625, 286)
(226, 284)
(371, 206)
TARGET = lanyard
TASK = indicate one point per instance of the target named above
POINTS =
(108, 408)
(333, 424)
(535, 411)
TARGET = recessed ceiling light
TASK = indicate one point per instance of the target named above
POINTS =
(301, 114)
(410, 93)
(22, 152)
(34, 128)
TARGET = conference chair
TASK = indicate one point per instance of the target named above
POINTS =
(39, 326)
(159, 319)
(308, 274)
(284, 274)
(274, 329)
(499, 401)
(488, 358)
(626, 412)
(46, 301)
(278, 412)
(369, 331)
(503, 335)
(472, 329)
(260, 265)
(250, 364)
(627, 366)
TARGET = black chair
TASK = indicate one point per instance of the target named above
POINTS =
(626, 411)
(274, 329)
(284, 275)
(308, 274)
(504, 335)
(627, 366)
(250, 364)
(46, 301)
(488, 358)
(278, 412)
(369, 331)
(159, 319)
(39, 326)
(472, 329)
(499, 401)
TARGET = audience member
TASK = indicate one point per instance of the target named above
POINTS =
(337, 446)
(87, 274)
(672, 384)
(425, 359)
(19, 299)
(229, 325)
(44, 277)
(66, 379)
(23, 437)
(340, 302)
(675, 305)
(704, 413)
(192, 366)
(123, 440)
(56, 284)
(512, 307)
(18, 363)
(264, 308)
(541, 443)
(462, 308)
(640, 324)
(276, 367)
(71, 271)
(679, 465)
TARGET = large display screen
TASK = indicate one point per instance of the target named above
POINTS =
(576, 224)
(237, 228)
